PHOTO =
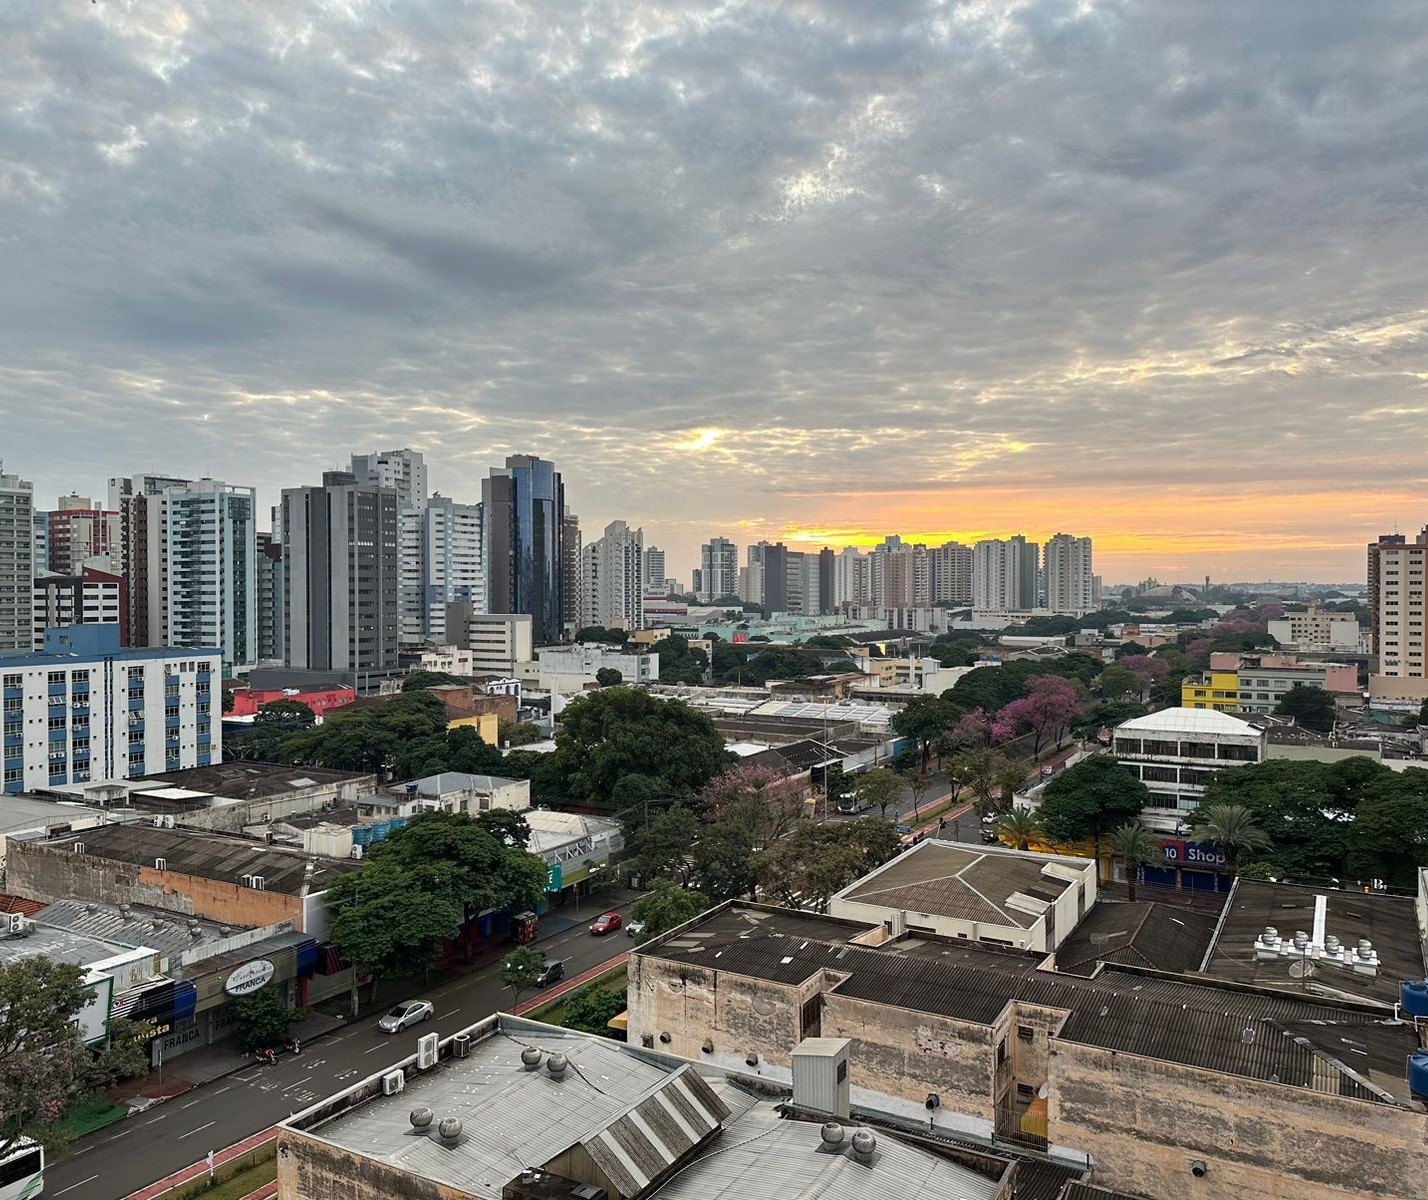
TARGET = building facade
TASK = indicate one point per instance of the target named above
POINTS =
(497, 642)
(718, 569)
(612, 587)
(340, 570)
(952, 574)
(1070, 581)
(404, 471)
(81, 532)
(526, 529)
(1318, 631)
(17, 562)
(1397, 582)
(654, 569)
(441, 564)
(269, 592)
(84, 709)
(91, 597)
(1004, 575)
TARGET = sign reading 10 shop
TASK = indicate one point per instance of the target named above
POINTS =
(249, 977)
(1191, 854)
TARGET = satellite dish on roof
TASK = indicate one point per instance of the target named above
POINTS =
(1301, 969)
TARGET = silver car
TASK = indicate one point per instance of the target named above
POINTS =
(407, 1013)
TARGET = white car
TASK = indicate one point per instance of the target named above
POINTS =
(407, 1013)
(634, 928)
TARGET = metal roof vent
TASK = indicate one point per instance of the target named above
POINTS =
(422, 1117)
(448, 1129)
(833, 1135)
(864, 1143)
(530, 1058)
(556, 1065)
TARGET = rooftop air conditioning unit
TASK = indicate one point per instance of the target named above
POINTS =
(357, 851)
(428, 1051)
(161, 864)
(79, 847)
(14, 922)
(461, 1045)
(393, 1082)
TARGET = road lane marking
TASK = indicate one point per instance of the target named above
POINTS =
(299, 1083)
(191, 1132)
(191, 1103)
(156, 1120)
(72, 1186)
(374, 1049)
(220, 1091)
(117, 1136)
(443, 1016)
(77, 1153)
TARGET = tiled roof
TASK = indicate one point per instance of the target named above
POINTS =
(1163, 937)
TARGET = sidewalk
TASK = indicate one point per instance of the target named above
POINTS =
(194, 1171)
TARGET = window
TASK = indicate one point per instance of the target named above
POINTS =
(1001, 1051)
(1025, 1033)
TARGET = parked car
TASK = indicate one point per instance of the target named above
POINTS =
(406, 1014)
(634, 928)
(606, 923)
(553, 973)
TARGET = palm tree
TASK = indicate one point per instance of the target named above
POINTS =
(1135, 847)
(1231, 829)
(1019, 827)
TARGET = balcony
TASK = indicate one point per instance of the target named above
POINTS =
(14, 693)
(14, 741)
(58, 689)
(136, 703)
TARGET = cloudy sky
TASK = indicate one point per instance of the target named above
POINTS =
(1152, 272)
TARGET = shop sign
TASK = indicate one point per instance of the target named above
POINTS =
(1191, 854)
(249, 977)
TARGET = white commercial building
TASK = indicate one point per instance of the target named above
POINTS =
(1004, 574)
(440, 563)
(1319, 631)
(569, 669)
(404, 471)
(88, 597)
(84, 710)
(718, 569)
(499, 642)
(612, 584)
(1176, 753)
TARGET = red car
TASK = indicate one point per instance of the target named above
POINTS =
(606, 923)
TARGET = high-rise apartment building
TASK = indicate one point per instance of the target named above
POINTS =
(654, 569)
(17, 561)
(718, 569)
(1070, 583)
(951, 574)
(441, 563)
(571, 585)
(1397, 583)
(192, 573)
(83, 709)
(340, 576)
(42, 541)
(91, 597)
(526, 562)
(122, 487)
(852, 578)
(1004, 574)
(269, 590)
(901, 575)
(404, 471)
(80, 532)
(612, 585)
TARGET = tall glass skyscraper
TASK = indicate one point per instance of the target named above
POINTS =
(524, 506)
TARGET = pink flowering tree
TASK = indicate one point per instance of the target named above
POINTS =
(1045, 711)
(756, 799)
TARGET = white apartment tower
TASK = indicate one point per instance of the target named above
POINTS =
(1398, 581)
(1070, 582)
(852, 578)
(718, 569)
(17, 561)
(612, 592)
(441, 563)
(654, 568)
(1004, 574)
(404, 471)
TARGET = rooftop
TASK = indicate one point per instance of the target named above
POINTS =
(689, 1133)
(1259, 1034)
(1389, 922)
(130, 925)
(458, 781)
(1188, 720)
(247, 780)
(208, 856)
(1162, 937)
(994, 886)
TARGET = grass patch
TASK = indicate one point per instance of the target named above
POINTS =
(555, 1012)
(229, 1187)
(92, 1114)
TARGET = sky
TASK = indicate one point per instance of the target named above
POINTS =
(1149, 273)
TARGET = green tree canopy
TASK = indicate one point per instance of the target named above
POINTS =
(1388, 839)
(420, 681)
(518, 733)
(521, 971)
(262, 1019)
(679, 662)
(284, 714)
(818, 859)
(924, 719)
(609, 734)
(667, 906)
(591, 1009)
(366, 739)
(1311, 707)
(598, 633)
(1020, 827)
(1231, 829)
(1090, 799)
(1106, 713)
(779, 662)
(1135, 847)
(878, 788)
(724, 863)
(662, 846)
(609, 677)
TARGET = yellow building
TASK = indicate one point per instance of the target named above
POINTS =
(1216, 690)
(487, 726)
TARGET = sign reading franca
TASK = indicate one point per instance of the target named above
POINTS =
(249, 977)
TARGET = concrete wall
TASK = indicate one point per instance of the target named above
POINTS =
(1033, 938)
(1144, 1121)
(309, 1169)
(54, 872)
(230, 817)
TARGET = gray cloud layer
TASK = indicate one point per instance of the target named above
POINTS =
(1144, 270)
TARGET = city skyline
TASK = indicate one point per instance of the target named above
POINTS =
(821, 271)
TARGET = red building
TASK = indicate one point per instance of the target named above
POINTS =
(321, 699)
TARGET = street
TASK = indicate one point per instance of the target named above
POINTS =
(123, 1157)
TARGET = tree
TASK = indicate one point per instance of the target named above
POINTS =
(609, 677)
(1019, 827)
(1135, 848)
(778, 662)
(878, 788)
(368, 739)
(1119, 683)
(1311, 707)
(228, 700)
(1389, 837)
(284, 715)
(420, 681)
(43, 1063)
(667, 906)
(521, 971)
(923, 719)
(1231, 829)
(1106, 714)
(507, 826)
(1090, 799)
(1423, 713)
(519, 733)
(591, 1009)
(679, 662)
(662, 848)
(755, 799)
(1049, 706)
(609, 734)
(598, 633)
(262, 1019)
(724, 866)
(816, 860)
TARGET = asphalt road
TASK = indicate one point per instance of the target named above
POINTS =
(123, 1157)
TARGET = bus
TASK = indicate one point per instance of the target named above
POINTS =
(22, 1170)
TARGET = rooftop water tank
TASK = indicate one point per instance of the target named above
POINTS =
(1413, 997)
(1418, 1074)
